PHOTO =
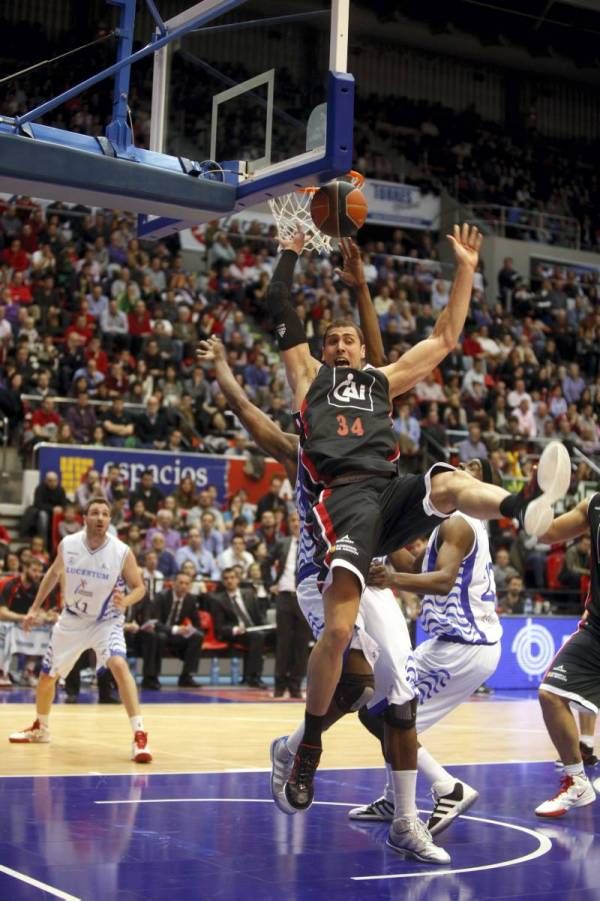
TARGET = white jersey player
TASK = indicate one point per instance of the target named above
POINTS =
(459, 613)
(94, 569)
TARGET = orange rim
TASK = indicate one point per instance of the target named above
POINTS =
(357, 177)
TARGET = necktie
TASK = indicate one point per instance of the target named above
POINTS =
(241, 613)
(175, 611)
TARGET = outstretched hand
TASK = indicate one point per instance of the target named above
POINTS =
(466, 244)
(353, 273)
(295, 243)
(211, 350)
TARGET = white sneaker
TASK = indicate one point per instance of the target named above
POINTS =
(548, 484)
(575, 791)
(36, 734)
(411, 837)
(282, 762)
(140, 752)
(379, 810)
(448, 807)
(5, 680)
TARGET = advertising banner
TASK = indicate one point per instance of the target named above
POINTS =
(529, 644)
(73, 462)
(401, 206)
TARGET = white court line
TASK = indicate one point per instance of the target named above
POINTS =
(544, 843)
(43, 886)
(544, 846)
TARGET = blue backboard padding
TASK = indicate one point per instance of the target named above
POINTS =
(42, 168)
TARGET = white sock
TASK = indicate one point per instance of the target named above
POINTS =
(587, 740)
(575, 769)
(43, 719)
(137, 723)
(388, 792)
(434, 773)
(405, 789)
(293, 740)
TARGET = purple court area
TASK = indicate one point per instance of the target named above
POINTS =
(218, 836)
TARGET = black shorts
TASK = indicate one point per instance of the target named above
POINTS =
(371, 518)
(575, 671)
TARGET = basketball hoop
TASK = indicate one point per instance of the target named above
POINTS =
(292, 212)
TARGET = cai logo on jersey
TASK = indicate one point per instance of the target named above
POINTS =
(351, 392)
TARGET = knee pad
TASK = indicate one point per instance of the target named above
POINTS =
(373, 722)
(401, 716)
(353, 690)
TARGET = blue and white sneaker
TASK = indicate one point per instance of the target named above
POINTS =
(410, 837)
(379, 811)
(282, 762)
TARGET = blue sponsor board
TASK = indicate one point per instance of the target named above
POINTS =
(72, 462)
(529, 644)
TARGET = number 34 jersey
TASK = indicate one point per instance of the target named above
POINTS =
(91, 576)
(345, 423)
(466, 615)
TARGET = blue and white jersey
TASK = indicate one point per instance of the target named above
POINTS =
(468, 614)
(307, 495)
(91, 577)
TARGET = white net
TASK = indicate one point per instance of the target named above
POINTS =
(291, 212)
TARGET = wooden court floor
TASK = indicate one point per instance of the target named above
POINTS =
(213, 737)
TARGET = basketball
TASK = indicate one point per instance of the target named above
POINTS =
(338, 209)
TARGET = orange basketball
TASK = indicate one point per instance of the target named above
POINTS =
(338, 209)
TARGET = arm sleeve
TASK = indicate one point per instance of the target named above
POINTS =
(288, 327)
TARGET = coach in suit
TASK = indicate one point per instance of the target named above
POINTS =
(293, 633)
(234, 610)
(178, 622)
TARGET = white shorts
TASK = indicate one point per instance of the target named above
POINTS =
(448, 673)
(380, 632)
(71, 637)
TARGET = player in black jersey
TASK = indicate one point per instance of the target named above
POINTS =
(573, 677)
(356, 685)
(365, 509)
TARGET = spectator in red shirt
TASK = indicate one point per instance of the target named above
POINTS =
(140, 326)
(15, 257)
(471, 346)
(80, 327)
(19, 290)
(94, 352)
(45, 421)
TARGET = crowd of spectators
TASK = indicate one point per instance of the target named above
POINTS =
(91, 315)
(98, 329)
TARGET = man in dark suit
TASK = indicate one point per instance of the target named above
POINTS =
(293, 632)
(176, 612)
(152, 426)
(234, 611)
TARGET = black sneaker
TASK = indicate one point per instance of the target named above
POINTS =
(448, 807)
(299, 789)
(549, 482)
(587, 755)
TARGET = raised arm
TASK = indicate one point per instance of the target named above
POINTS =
(353, 275)
(300, 366)
(455, 541)
(422, 359)
(267, 434)
(570, 525)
